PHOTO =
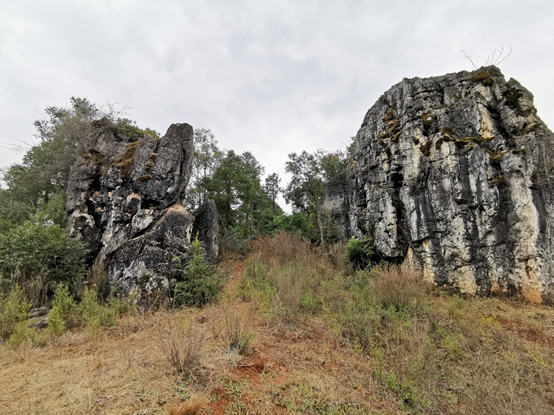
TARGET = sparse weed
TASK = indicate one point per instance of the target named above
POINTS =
(182, 346)
(236, 336)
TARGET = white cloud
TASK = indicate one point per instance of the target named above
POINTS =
(269, 77)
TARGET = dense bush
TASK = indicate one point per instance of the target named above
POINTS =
(302, 223)
(38, 257)
(359, 253)
(200, 282)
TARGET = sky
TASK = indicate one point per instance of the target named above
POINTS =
(269, 77)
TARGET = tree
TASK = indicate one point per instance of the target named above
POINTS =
(272, 188)
(44, 170)
(237, 191)
(207, 157)
(310, 174)
(38, 256)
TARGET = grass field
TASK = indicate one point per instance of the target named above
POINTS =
(293, 333)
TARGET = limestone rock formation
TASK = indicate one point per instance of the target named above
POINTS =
(206, 227)
(123, 202)
(455, 173)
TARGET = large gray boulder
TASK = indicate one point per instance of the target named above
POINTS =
(455, 174)
(123, 203)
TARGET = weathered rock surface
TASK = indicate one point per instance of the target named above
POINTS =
(123, 202)
(206, 227)
(455, 173)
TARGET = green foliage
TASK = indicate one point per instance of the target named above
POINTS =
(23, 332)
(272, 188)
(94, 314)
(67, 313)
(39, 256)
(13, 311)
(207, 157)
(130, 129)
(310, 174)
(201, 281)
(237, 191)
(303, 223)
(44, 170)
(359, 253)
(53, 211)
(122, 305)
(64, 313)
(328, 228)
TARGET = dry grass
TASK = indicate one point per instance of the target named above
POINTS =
(399, 286)
(287, 247)
(191, 407)
(182, 346)
(236, 336)
(448, 355)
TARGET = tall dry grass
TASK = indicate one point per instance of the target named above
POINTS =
(182, 345)
(287, 247)
(399, 286)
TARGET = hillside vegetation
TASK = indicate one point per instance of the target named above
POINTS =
(293, 331)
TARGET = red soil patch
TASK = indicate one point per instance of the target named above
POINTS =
(526, 332)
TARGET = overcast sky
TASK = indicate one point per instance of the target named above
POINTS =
(270, 77)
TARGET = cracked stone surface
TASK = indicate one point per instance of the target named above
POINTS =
(455, 174)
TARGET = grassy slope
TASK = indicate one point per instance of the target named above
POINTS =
(449, 356)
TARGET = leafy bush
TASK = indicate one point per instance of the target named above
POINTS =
(232, 243)
(302, 223)
(38, 257)
(23, 331)
(13, 310)
(201, 281)
(359, 253)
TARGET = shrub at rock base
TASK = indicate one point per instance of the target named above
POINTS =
(38, 257)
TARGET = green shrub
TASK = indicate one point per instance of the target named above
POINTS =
(233, 243)
(38, 257)
(122, 305)
(23, 332)
(94, 314)
(201, 281)
(359, 253)
(64, 313)
(13, 310)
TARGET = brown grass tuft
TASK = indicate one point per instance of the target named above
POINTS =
(399, 286)
(182, 346)
(193, 406)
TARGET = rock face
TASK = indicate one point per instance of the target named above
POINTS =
(206, 227)
(123, 203)
(455, 173)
